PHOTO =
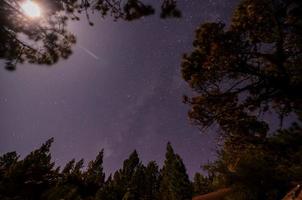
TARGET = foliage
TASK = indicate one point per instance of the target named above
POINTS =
(30, 177)
(35, 177)
(45, 39)
(266, 170)
(175, 183)
(152, 181)
(239, 74)
(251, 68)
(94, 177)
(242, 75)
(202, 184)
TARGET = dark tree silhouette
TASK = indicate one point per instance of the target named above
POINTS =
(29, 178)
(265, 171)
(45, 39)
(94, 177)
(152, 177)
(262, 171)
(130, 173)
(201, 184)
(175, 183)
(241, 72)
(169, 9)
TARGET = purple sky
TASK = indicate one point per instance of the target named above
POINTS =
(121, 90)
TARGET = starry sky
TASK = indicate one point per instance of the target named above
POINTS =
(120, 90)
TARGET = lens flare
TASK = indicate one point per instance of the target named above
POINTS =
(31, 9)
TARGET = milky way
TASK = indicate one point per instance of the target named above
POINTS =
(120, 90)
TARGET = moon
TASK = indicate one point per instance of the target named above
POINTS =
(31, 9)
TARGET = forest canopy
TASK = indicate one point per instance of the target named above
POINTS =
(265, 171)
(37, 177)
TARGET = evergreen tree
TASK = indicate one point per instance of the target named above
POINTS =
(7, 160)
(266, 170)
(130, 165)
(247, 69)
(47, 38)
(94, 177)
(107, 191)
(70, 184)
(35, 178)
(201, 184)
(131, 169)
(68, 168)
(239, 74)
(136, 185)
(175, 183)
(127, 183)
(152, 177)
(30, 177)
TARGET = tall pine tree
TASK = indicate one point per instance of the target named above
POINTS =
(94, 177)
(30, 177)
(152, 177)
(175, 183)
(201, 184)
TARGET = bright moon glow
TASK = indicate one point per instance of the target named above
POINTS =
(31, 9)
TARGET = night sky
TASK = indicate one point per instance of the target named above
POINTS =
(120, 90)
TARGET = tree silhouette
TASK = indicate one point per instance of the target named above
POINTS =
(152, 181)
(266, 170)
(201, 184)
(239, 75)
(30, 177)
(175, 183)
(94, 177)
(45, 39)
(241, 72)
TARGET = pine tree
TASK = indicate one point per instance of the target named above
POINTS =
(248, 69)
(266, 170)
(152, 176)
(175, 183)
(107, 191)
(94, 177)
(70, 184)
(47, 38)
(68, 168)
(113, 188)
(201, 184)
(137, 184)
(130, 166)
(126, 182)
(30, 177)
(7, 161)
